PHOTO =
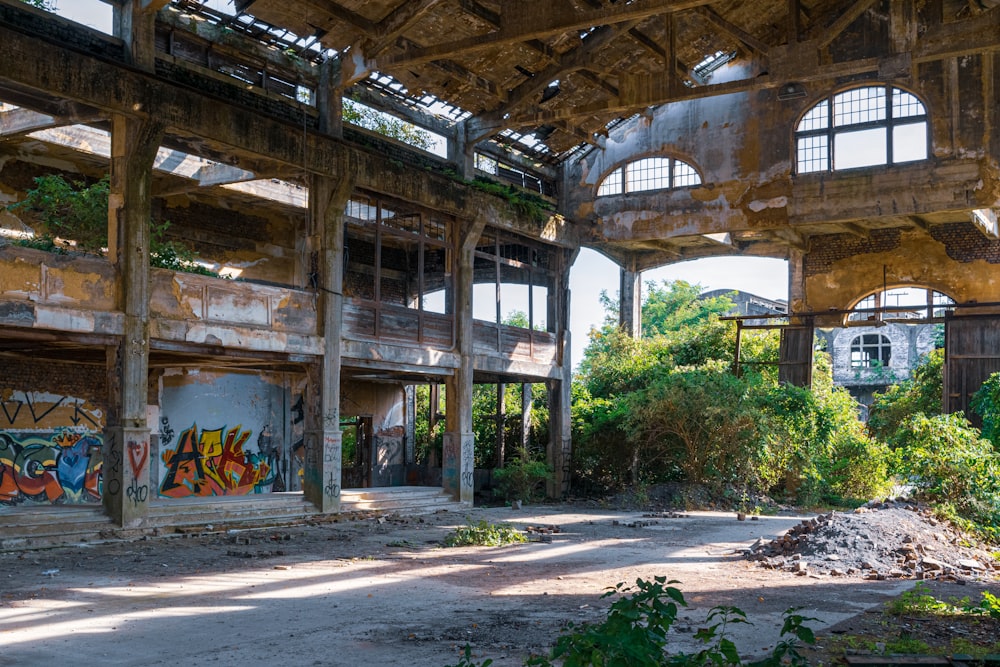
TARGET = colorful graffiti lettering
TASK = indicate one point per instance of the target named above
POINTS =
(214, 463)
(65, 467)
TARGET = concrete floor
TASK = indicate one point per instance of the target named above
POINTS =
(383, 592)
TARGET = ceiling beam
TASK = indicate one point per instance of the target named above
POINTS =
(392, 26)
(846, 19)
(571, 61)
(548, 24)
(945, 41)
(733, 30)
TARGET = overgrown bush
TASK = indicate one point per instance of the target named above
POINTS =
(949, 463)
(522, 478)
(634, 634)
(77, 211)
(986, 404)
(921, 393)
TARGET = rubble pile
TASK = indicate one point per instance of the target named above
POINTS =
(893, 539)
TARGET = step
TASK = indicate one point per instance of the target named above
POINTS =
(42, 526)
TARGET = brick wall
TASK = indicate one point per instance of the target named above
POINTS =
(76, 380)
(828, 249)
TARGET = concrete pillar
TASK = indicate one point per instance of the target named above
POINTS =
(134, 22)
(329, 98)
(560, 446)
(630, 301)
(322, 437)
(460, 153)
(797, 302)
(459, 452)
(126, 438)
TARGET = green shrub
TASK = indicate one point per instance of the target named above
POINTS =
(78, 211)
(986, 404)
(921, 393)
(522, 478)
(484, 534)
(949, 462)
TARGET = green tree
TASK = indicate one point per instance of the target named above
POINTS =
(386, 125)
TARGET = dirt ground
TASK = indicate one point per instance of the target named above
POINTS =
(381, 590)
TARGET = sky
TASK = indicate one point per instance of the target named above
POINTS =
(592, 273)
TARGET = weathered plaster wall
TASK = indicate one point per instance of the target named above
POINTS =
(846, 267)
(51, 423)
(223, 433)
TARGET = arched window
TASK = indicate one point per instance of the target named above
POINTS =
(651, 173)
(862, 127)
(900, 304)
(870, 351)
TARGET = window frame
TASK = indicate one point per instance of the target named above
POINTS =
(830, 130)
(863, 348)
(621, 173)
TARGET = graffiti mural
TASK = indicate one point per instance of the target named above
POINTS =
(216, 462)
(64, 467)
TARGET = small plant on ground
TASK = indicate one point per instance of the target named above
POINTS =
(484, 534)
(918, 601)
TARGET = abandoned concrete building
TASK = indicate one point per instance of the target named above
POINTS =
(856, 139)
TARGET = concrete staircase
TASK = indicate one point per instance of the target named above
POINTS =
(41, 526)
(402, 499)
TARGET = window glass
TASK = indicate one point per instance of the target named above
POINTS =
(612, 184)
(684, 175)
(861, 148)
(818, 118)
(859, 105)
(909, 142)
(870, 351)
(813, 153)
(647, 174)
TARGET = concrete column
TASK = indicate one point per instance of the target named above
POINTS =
(630, 301)
(126, 448)
(797, 302)
(329, 98)
(459, 451)
(460, 153)
(322, 438)
(560, 446)
(134, 22)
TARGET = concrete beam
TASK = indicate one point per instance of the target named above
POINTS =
(216, 126)
(216, 173)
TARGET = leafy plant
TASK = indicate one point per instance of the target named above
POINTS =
(484, 534)
(522, 477)
(918, 601)
(387, 125)
(920, 393)
(634, 632)
(78, 211)
(986, 404)
(467, 661)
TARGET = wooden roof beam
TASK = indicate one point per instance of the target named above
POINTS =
(571, 61)
(389, 29)
(845, 20)
(517, 26)
(733, 30)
